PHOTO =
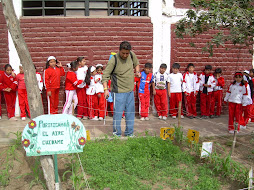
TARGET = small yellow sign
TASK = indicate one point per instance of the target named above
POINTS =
(193, 135)
(167, 133)
(88, 135)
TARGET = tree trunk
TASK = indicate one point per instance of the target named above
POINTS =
(33, 92)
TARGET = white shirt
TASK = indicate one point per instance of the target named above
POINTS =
(175, 81)
(190, 82)
(91, 88)
(81, 75)
(98, 85)
(237, 93)
(160, 80)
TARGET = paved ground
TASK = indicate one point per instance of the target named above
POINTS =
(207, 127)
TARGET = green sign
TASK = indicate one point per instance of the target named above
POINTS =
(53, 134)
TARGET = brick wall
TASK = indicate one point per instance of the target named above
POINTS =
(94, 38)
(230, 58)
(4, 56)
(185, 4)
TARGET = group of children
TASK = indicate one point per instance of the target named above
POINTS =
(83, 88)
(208, 84)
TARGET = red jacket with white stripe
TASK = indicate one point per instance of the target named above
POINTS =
(52, 77)
(71, 81)
(8, 81)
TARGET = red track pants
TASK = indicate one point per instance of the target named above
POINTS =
(234, 111)
(53, 100)
(101, 104)
(216, 98)
(205, 104)
(175, 98)
(10, 99)
(92, 105)
(190, 104)
(245, 115)
(144, 104)
(82, 107)
(23, 102)
(161, 102)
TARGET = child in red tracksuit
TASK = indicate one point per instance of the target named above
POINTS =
(236, 97)
(81, 90)
(8, 84)
(144, 83)
(52, 77)
(99, 90)
(175, 80)
(190, 89)
(1, 73)
(22, 94)
(217, 93)
(160, 92)
(207, 83)
(90, 92)
(252, 106)
(71, 83)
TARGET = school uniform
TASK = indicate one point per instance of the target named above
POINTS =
(81, 93)
(52, 78)
(206, 93)
(40, 81)
(8, 81)
(22, 94)
(91, 99)
(190, 89)
(71, 83)
(144, 83)
(1, 73)
(99, 90)
(175, 81)
(217, 96)
(236, 98)
(245, 115)
(160, 98)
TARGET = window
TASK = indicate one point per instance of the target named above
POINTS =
(85, 7)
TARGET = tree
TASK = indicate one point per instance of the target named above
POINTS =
(33, 92)
(232, 20)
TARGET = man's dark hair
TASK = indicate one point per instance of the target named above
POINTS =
(218, 70)
(176, 66)
(190, 65)
(208, 67)
(125, 45)
(163, 65)
(148, 65)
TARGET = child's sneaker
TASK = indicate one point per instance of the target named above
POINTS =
(164, 118)
(147, 118)
(182, 116)
(160, 117)
(100, 118)
(85, 118)
(242, 127)
(142, 119)
(174, 117)
(94, 119)
(0, 117)
(13, 119)
(23, 118)
(231, 131)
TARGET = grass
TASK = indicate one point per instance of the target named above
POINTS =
(143, 163)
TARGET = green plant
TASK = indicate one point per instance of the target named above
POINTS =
(178, 134)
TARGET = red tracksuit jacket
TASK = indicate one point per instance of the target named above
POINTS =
(52, 77)
(71, 81)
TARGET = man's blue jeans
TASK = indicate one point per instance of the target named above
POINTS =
(123, 102)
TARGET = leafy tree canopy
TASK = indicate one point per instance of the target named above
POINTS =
(232, 19)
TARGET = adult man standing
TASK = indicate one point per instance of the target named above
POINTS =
(120, 70)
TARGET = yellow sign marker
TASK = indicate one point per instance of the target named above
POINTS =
(88, 135)
(167, 132)
(193, 135)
